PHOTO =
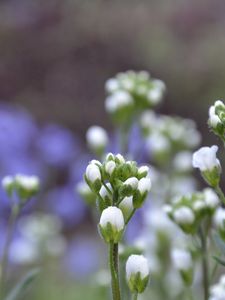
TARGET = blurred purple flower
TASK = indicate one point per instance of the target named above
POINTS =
(17, 131)
(65, 203)
(57, 146)
(83, 257)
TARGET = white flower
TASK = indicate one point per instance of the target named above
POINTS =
(93, 173)
(181, 259)
(219, 218)
(127, 204)
(104, 192)
(184, 215)
(120, 158)
(155, 95)
(205, 158)
(118, 100)
(157, 143)
(211, 198)
(143, 170)
(219, 103)
(199, 205)
(7, 181)
(114, 216)
(214, 120)
(110, 167)
(137, 264)
(144, 185)
(111, 85)
(28, 183)
(132, 181)
(97, 137)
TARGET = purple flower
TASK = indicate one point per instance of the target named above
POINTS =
(57, 146)
(83, 257)
(64, 202)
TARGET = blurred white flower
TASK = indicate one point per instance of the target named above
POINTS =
(97, 137)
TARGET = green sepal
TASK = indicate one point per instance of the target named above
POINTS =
(137, 284)
(110, 234)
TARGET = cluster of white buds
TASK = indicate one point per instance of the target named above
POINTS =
(25, 186)
(164, 135)
(217, 118)
(120, 186)
(217, 291)
(188, 211)
(182, 261)
(137, 273)
(97, 139)
(206, 161)
(132, 91)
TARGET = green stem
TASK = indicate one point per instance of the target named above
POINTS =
(113, 263)
(135, 296)
(205, 267)
(130, 216)
(5, 256)
(220, 194)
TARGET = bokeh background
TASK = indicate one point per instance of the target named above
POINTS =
(55, 57)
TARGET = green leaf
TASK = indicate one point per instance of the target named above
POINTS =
(21, 287)
(219, 242)
(219, 260)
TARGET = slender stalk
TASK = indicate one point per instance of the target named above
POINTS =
(135, 296)
(205, 267)
(113, 263)
(5, 256)
(220, 194)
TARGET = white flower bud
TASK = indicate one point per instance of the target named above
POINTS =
(143, 171)
(118, 100)
(104, 192)
(120, 158)
(137, 273)
(126, 205)
(111, 85)
(214, 120)
(97, 138)
(205, 158)
(132, 181)
(110, 167)
(219, 103)
(155, 95)
(7, 182)
(184, 215)
(93, 173)
(112, 224)
(211, 198)
(199, 205)
(219, 218)
(144, 185)
(182, 259)
(28, 183)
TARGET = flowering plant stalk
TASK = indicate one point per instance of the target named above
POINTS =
(20, 189)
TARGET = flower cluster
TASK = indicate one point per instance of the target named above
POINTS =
(24, 186)
(188, 211)
(120, 187)
(116, 179)
(165, 135)
(217, 118)
(130, 92)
